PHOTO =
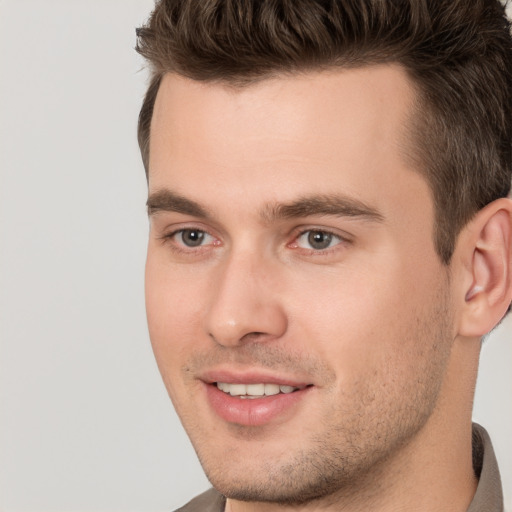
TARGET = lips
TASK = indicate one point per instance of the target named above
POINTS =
(254, 400)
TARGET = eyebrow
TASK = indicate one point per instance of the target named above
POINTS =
(165, 200)
(337, 205)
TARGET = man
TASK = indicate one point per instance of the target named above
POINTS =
(330, 240)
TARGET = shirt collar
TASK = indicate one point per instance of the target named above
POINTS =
(488, 496)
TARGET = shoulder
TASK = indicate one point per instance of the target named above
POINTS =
(209, 501)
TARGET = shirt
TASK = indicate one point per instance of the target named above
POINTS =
(488, 496)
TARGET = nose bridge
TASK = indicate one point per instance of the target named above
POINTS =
(245, 300)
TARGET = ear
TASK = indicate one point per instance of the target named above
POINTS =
(486, 245)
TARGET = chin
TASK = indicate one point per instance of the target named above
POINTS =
(293, 480)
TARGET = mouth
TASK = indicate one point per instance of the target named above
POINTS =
(255, 391)
(254, 402)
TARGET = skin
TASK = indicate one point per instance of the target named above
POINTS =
(370, 323)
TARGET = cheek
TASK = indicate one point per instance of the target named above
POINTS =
(361, 321)
(174, 315)
(173, 309)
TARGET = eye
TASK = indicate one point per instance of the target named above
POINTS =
(317, 240)
(192, 237)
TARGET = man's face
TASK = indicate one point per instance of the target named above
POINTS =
(291, 264)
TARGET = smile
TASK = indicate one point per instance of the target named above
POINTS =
(254, 390)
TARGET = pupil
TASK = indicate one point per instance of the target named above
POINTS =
(192, 238)
(319, 239)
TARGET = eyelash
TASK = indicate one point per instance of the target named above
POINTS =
(182, 248)
(340, 240)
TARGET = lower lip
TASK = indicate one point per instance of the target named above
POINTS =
(253, 411)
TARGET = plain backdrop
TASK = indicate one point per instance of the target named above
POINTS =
(85, 422)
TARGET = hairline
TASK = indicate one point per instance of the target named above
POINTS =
(239, 82)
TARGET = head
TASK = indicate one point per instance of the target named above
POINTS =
(327, 184)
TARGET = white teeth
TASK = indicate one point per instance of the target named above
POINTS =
(271, 389)
(254, 390)
(237, 389)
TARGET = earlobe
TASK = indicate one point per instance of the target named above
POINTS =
(489, 271)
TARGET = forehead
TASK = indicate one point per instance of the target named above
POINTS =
(343, 129)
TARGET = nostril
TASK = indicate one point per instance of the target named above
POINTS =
(252, 336)
(246, 338)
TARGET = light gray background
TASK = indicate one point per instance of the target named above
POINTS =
(85, 423)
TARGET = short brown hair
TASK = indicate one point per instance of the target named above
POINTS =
(458, 54)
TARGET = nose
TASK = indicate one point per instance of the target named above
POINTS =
(246, 302)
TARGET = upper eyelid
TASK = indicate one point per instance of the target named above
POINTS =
(173, 232)
(218, 231)
(326, 231)
(342, 235)
(340, 239)
(296, 233)
(171, 229)
(212, 227)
